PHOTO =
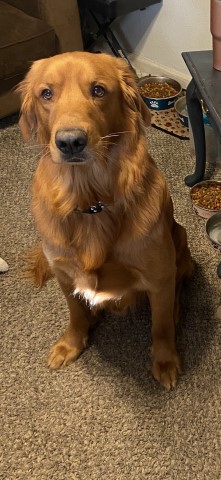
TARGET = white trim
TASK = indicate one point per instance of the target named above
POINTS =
(144, 66)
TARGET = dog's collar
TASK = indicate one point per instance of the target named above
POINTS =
(95, 208)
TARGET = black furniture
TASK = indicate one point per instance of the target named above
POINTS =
(205, 85)
(103, 13)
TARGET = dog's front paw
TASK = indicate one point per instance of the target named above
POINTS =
(63, 353)
(166, 370)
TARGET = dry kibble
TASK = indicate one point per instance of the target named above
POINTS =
(157, 90)
(207, 196)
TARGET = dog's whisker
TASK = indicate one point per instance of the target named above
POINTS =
(34, 145)
(105, 146)
(39, 149)
(116, 134)
(46, 153)
(36, 149)
(36, 157)
(42, 153)
(104, 142)
(111, 135)
(100, 156)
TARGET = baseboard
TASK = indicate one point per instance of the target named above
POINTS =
(144, 66)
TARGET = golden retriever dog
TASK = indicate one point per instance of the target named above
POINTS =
(100, 203)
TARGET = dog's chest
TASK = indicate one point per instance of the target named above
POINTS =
(95, 298)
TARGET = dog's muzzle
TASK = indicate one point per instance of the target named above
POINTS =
(71, 142)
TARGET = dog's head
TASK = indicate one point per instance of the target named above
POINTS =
(80, 104)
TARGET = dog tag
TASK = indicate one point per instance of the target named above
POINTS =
(97, 208)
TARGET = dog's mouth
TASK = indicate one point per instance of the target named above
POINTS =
(74, 160)
(70, 158)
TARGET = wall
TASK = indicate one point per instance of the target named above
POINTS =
(156, 36)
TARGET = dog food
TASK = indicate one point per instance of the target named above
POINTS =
(157, 90)
(207, 196)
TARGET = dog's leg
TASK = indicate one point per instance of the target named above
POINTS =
(68, 348)
(165, 360)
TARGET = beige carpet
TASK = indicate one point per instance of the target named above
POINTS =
(104, 417)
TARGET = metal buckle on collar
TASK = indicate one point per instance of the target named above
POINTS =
(96, 208)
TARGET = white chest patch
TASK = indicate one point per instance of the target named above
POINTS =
(93, 298)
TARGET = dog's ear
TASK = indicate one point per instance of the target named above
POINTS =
(27, 120)
(131, 93)
(28, 115)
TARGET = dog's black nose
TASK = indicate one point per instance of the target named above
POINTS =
(70, 142)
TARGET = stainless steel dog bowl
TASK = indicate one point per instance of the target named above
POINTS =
(160, 103)
(213, 230)
(198, 205)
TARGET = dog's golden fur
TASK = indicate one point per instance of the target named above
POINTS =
(134, 244)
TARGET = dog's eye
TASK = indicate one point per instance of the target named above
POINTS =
(46, 94)
(98, 91)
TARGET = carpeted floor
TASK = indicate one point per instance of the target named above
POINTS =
(104, 417)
